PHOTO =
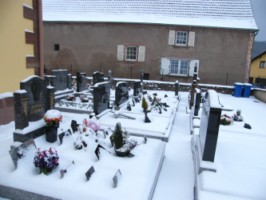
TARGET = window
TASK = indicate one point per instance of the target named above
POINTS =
(131, 53)
(262, 64)
(181, 38)
(56, 47)
(179, 67)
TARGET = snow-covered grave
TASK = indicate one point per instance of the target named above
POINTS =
(139, 173)
(237, 172)
(133, 120)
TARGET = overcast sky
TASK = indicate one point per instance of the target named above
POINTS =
(259, 10)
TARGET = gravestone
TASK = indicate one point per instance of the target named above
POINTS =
(89, 173)
(110, 78)
(17, 150)
(176, 88)
(137, 88)
(121, 93)
(141, 81)
(117, 178)
(81, 82)
(50, 80)
(31, 102)
(64, 170)
(101, 97)
(197, 102)
(61, 81)
(209, 126)
(98, 77)
(192, 89)
(63, 134)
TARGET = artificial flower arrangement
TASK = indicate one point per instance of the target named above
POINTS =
(52, 117)
(92, 123)
(237, 116)
(225, 119)
(46, 160)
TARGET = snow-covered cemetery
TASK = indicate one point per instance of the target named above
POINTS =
(178, 126)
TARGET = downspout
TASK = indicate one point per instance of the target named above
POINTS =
(249, 53)
(40, 38)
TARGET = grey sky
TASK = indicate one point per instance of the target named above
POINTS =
(259, 10)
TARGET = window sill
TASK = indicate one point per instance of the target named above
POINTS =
(181, 75)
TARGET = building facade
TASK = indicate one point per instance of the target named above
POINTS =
(166, 44)
(20, 49)
(258, 70)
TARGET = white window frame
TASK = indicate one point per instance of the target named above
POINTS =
(182, 39)
(177, 72)
(122, 53)
(135, 56)
(262, 64)
(188, 40)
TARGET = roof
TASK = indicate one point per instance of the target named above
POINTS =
(261, 54)
(235, 14)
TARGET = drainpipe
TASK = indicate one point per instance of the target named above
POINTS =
(40, 22)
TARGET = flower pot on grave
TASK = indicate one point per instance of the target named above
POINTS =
(122, 153)
(51, 133)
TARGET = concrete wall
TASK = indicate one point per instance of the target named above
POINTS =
(88, 47)
(260, 94)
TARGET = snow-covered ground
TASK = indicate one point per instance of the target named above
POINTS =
(239, 159)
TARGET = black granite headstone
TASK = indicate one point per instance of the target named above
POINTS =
(197, 103)
(63, 134)
(89, 173)
(74, 126)
(101, 97)
(209, 126)
(37, 97)
(98, 77)
(81, 82)
(176, 88)
(137, 88)
(61, 79)
(121, 93)
(31, 102)
(110, 78)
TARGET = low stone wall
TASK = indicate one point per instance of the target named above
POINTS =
(6, 108)
(260, 94)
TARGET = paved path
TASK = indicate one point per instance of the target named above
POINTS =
(176, 180)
